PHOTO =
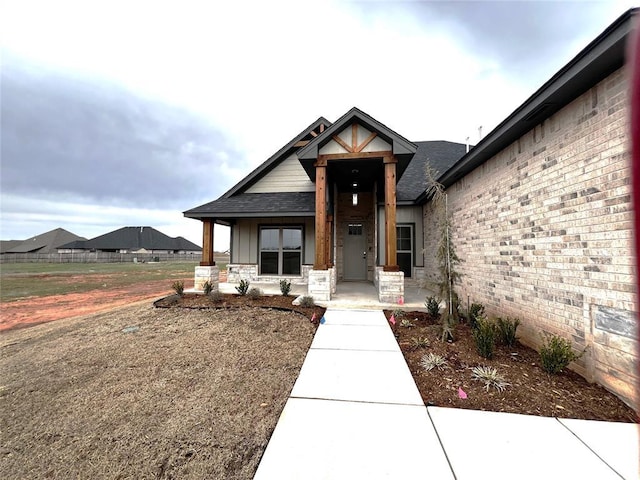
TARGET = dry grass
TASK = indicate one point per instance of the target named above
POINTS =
(191, 394)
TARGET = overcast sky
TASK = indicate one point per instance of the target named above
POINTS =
(127, 113)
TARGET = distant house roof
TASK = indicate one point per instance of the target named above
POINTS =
(134, 238)
(47, 242)
(9, 244)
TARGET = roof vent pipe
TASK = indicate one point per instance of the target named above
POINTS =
(480, 133)
(467, 141)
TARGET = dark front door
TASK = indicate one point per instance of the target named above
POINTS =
(355, 252)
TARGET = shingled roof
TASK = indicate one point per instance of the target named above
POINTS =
(47, 242)
(289, 204)
(134, 238)
(440, 154)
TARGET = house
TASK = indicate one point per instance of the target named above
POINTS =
(47, 242)
(541, 212)
(132, 240)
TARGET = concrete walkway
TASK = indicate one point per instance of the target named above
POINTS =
(355, 413)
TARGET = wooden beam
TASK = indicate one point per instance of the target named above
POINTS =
(366, 141)
(321, 127)
(342, 143)
(353, 156)
(207, 243)
(354, 137)
(313, 134)
(391, 259)
(301, 143)
(321, 218)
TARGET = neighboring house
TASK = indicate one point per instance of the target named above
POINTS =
(133, 240)
(47, 242)
(6, 245)
(541, 210)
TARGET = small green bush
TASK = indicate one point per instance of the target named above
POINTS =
(254, 293)
(178, 286)
(243, 287)
(484, 336)
(556, 354)
(207, 287)
(307, 301)
(476, 312)
(433, 306)
(285, 287)
(506, 331)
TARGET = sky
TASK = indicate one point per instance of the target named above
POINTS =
(127, 113)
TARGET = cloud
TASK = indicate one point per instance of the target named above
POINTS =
(67, 137)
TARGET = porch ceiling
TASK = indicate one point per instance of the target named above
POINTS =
(365, 172)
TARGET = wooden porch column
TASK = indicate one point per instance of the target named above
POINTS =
(207, 243)
(391, 259)
(321, 215)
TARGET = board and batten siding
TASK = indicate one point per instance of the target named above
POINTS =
(376, 145)
(244, 237)
(288, 176)
(404, 215)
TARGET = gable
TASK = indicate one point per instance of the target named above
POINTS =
(287, 176)
(355, 137)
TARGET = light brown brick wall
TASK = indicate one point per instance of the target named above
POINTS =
(545, 231)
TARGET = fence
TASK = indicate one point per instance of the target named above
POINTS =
(104, 257)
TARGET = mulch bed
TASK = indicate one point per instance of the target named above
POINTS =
(532, 391)
(228, 300)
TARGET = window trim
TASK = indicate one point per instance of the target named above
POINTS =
(412, 227)
(281, 250)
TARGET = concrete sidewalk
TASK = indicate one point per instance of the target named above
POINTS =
(355, 413)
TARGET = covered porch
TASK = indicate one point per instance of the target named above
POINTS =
(324, 214)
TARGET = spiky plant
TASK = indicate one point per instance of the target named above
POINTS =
(433, 360)
(420, 342)
(490, 377)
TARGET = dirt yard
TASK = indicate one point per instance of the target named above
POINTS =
(140, 392)
(34, 310)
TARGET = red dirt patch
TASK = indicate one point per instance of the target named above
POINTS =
(32, 311)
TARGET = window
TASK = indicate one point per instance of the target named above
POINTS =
(280, 250)
(404, 248)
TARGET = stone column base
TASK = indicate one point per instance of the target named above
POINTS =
(390, 286)
(320, 284)
(203, 274)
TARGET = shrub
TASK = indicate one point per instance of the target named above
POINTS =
(484, 336)
(398, 313)
(285, 287)
(307, 301)
(419, 342)
(243, 287)
(556, 354)
(216, 296)
(433, 306)
(207, 287)
(254, 293)
(490, 377)
(178, 286)
(506, 331)
(433, 360)
(476, 312)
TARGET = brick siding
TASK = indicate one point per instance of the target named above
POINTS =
(545, 228)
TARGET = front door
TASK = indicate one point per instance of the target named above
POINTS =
(355, 251)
